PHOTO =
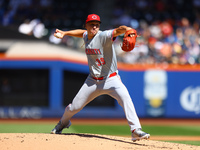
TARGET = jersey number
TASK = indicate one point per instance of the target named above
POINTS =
(100, 62)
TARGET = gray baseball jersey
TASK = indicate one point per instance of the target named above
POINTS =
(102, 63)
(101, 55)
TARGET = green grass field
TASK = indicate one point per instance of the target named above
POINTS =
(118, 130)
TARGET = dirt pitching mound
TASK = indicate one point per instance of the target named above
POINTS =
(41, 141)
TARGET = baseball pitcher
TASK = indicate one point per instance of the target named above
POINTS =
(103, 77)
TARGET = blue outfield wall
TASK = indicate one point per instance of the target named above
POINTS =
(155, 92)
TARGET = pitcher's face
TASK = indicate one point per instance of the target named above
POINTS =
(92, 27)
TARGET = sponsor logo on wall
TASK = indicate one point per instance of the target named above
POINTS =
(155, 92)
(190, 99)
(24, 112)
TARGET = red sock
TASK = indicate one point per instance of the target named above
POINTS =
(133, 130)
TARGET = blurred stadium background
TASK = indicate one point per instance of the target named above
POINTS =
(40, 75)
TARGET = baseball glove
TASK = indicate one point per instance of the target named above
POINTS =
(129, 40)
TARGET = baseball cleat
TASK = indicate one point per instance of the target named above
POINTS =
(59, 127)
(138, 134)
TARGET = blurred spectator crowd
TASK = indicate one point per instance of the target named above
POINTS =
(52, 13)
(169, 30)
(37, 17)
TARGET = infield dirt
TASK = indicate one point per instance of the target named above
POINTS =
(80, 141)
(40, 141)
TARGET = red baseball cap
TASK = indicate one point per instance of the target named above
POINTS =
(92, 17)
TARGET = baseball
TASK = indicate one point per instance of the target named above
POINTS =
(58, 35)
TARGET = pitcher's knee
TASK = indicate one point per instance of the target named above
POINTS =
(73, 109)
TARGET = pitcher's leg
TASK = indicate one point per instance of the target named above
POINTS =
(121, 94)
(124, 99)
(84, 96)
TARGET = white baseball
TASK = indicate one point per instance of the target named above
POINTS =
(58, 35)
